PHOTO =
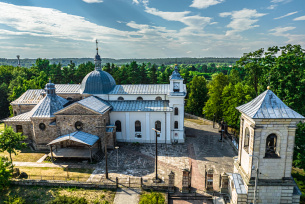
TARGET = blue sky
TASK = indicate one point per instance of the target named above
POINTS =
(147, 28)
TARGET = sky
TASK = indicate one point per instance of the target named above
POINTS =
(147, 28)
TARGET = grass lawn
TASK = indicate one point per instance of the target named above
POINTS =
(41, 195)
(24, 155)
(49, 173)
(152, 197)
(299, 177)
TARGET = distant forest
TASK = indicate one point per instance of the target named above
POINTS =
(159, 61)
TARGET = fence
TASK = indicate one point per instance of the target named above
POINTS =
(111, 183)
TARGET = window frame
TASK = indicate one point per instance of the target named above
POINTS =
(118, 127)
(176, 125)
(137, 128)
(176, 111)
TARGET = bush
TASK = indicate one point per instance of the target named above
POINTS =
(5, 172)
(15, 200)
(68, 200)
(152, 198)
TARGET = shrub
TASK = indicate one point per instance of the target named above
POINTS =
(68, 200)
(152, 198)
(15, 200)
(5, 172)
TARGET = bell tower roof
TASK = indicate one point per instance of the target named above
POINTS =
(268, 106)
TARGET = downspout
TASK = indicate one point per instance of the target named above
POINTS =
(165, 119)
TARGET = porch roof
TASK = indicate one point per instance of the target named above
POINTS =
(78, 136)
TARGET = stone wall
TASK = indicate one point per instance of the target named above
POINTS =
(19, 109)
(27, 127)
(43, 137)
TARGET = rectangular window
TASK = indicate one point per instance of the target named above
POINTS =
(19, 128)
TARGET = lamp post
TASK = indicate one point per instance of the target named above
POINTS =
(117, 156)
(157, 131)
(256, 179)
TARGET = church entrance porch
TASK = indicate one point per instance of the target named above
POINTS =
(73, 146)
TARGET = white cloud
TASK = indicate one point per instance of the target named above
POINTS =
(272, 6)
(292, 38)
(301, 18)
(242, 20)
(280, 1)
(200, 4)
(288, 14)
(93, 1)
(193, 22)
(135, 1)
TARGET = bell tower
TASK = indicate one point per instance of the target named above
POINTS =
(267, 134)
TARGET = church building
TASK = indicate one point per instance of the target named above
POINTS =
(98, 107)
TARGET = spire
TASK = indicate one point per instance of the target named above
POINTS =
(176, 74)
(18, 57)
(97, 59)
(50, 88)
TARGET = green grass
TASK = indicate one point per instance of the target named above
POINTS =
(299, 177)
(152, 198)
(49, 173)
(24, 155)
(41, 195)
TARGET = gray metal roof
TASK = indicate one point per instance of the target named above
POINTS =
(268, 105)
(156, 89)
(67, 88)
(22, 117)
(48, 106)
(97, 82)
(96, 104)
(144, 106)
(33, 96)
(79, 136)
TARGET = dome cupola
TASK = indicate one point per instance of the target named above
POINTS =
(97, 81)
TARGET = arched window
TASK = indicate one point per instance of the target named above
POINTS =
(246, 139)
(271, 143)
(120, 98)
(137, 126)
(158, 98)
(176, 111)
(118, 126)
(139, 98)
(158, 125)
(78, 125)
(176, 125)
(15, 113)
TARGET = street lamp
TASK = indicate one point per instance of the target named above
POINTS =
(256, 178)
(157, 131)
(117, 156)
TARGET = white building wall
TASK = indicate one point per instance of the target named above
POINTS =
(147, 120)
(145, 97)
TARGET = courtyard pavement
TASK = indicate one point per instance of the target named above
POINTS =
(201, 149)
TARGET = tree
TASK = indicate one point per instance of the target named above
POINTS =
(11, 141)
(198, 95)
(214, 103)
(153, 74)
(299, 148)
(5, 172)
(234, 96)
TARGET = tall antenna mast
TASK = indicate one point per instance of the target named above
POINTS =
(18, 57)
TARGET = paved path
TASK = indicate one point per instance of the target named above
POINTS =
(127, 196)
(35, 164)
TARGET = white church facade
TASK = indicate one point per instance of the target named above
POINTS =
(98, 106)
